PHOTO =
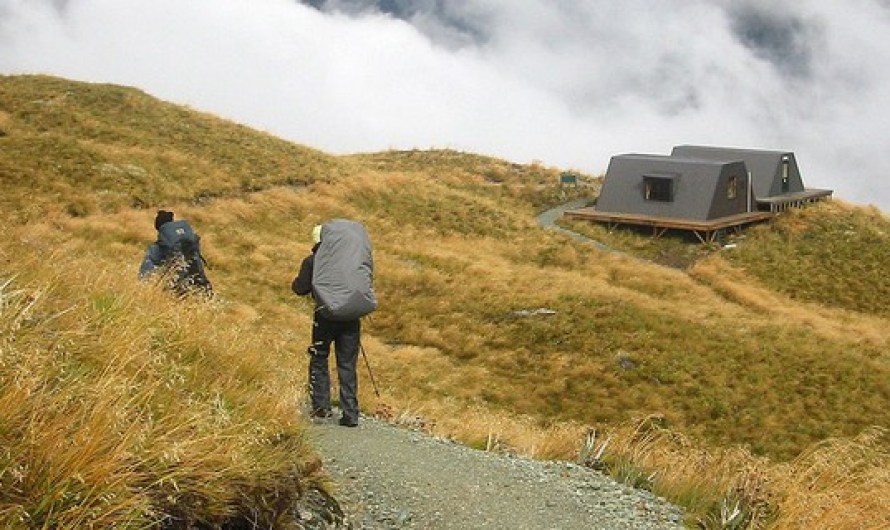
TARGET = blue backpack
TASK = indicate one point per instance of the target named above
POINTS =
(181, 250)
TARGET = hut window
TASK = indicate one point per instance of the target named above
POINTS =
(732, 188)
(659, 189)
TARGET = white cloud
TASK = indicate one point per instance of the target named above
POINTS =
(568, 82)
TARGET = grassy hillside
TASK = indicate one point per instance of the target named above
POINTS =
(835, 256)
(83, 149)
(121, 407)
(749, 384)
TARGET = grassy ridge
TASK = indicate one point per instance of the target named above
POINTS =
(82, 149)
(713, 351)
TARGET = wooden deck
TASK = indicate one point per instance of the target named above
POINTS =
(706, 231)
(793, 200)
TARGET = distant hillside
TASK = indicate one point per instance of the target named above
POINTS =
(82, 149)
(774, 345)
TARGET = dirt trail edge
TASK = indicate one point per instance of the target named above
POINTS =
(392, 477)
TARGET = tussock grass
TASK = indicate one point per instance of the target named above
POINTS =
(707, 366)
(80, 149)
(529, 184)
(123, 407)
(832, 323)
(676, 249)
(833, 254)
(838, 483)
(746, 378)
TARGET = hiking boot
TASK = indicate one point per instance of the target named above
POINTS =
(346, 422)
(322, 414)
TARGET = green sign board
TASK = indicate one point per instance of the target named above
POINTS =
(568, 179)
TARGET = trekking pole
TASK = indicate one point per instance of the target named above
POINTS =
(370, 373)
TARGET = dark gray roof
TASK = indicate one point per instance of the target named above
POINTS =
(765, 166)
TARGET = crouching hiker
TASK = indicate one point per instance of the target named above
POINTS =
(177, 253)
(338, 274)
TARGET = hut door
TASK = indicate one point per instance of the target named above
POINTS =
(786, 174)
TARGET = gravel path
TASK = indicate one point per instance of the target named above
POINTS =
(390, 477)
(547, 220)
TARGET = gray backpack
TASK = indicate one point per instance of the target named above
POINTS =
(343, 271)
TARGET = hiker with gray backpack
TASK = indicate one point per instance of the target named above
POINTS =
(338, 274)
(176, 253)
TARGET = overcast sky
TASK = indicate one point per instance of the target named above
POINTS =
(566, 82)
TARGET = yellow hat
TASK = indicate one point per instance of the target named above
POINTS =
(316, 234)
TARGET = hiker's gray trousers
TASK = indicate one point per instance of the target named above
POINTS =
(346, 338)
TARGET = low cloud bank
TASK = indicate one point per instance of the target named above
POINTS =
(567, 83)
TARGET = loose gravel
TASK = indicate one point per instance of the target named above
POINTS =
(391, 477)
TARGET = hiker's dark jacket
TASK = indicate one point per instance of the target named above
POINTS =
(153, 259)
(302, 284)
(346, 337)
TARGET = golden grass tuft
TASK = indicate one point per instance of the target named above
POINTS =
(124, 407)
(838, 483)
